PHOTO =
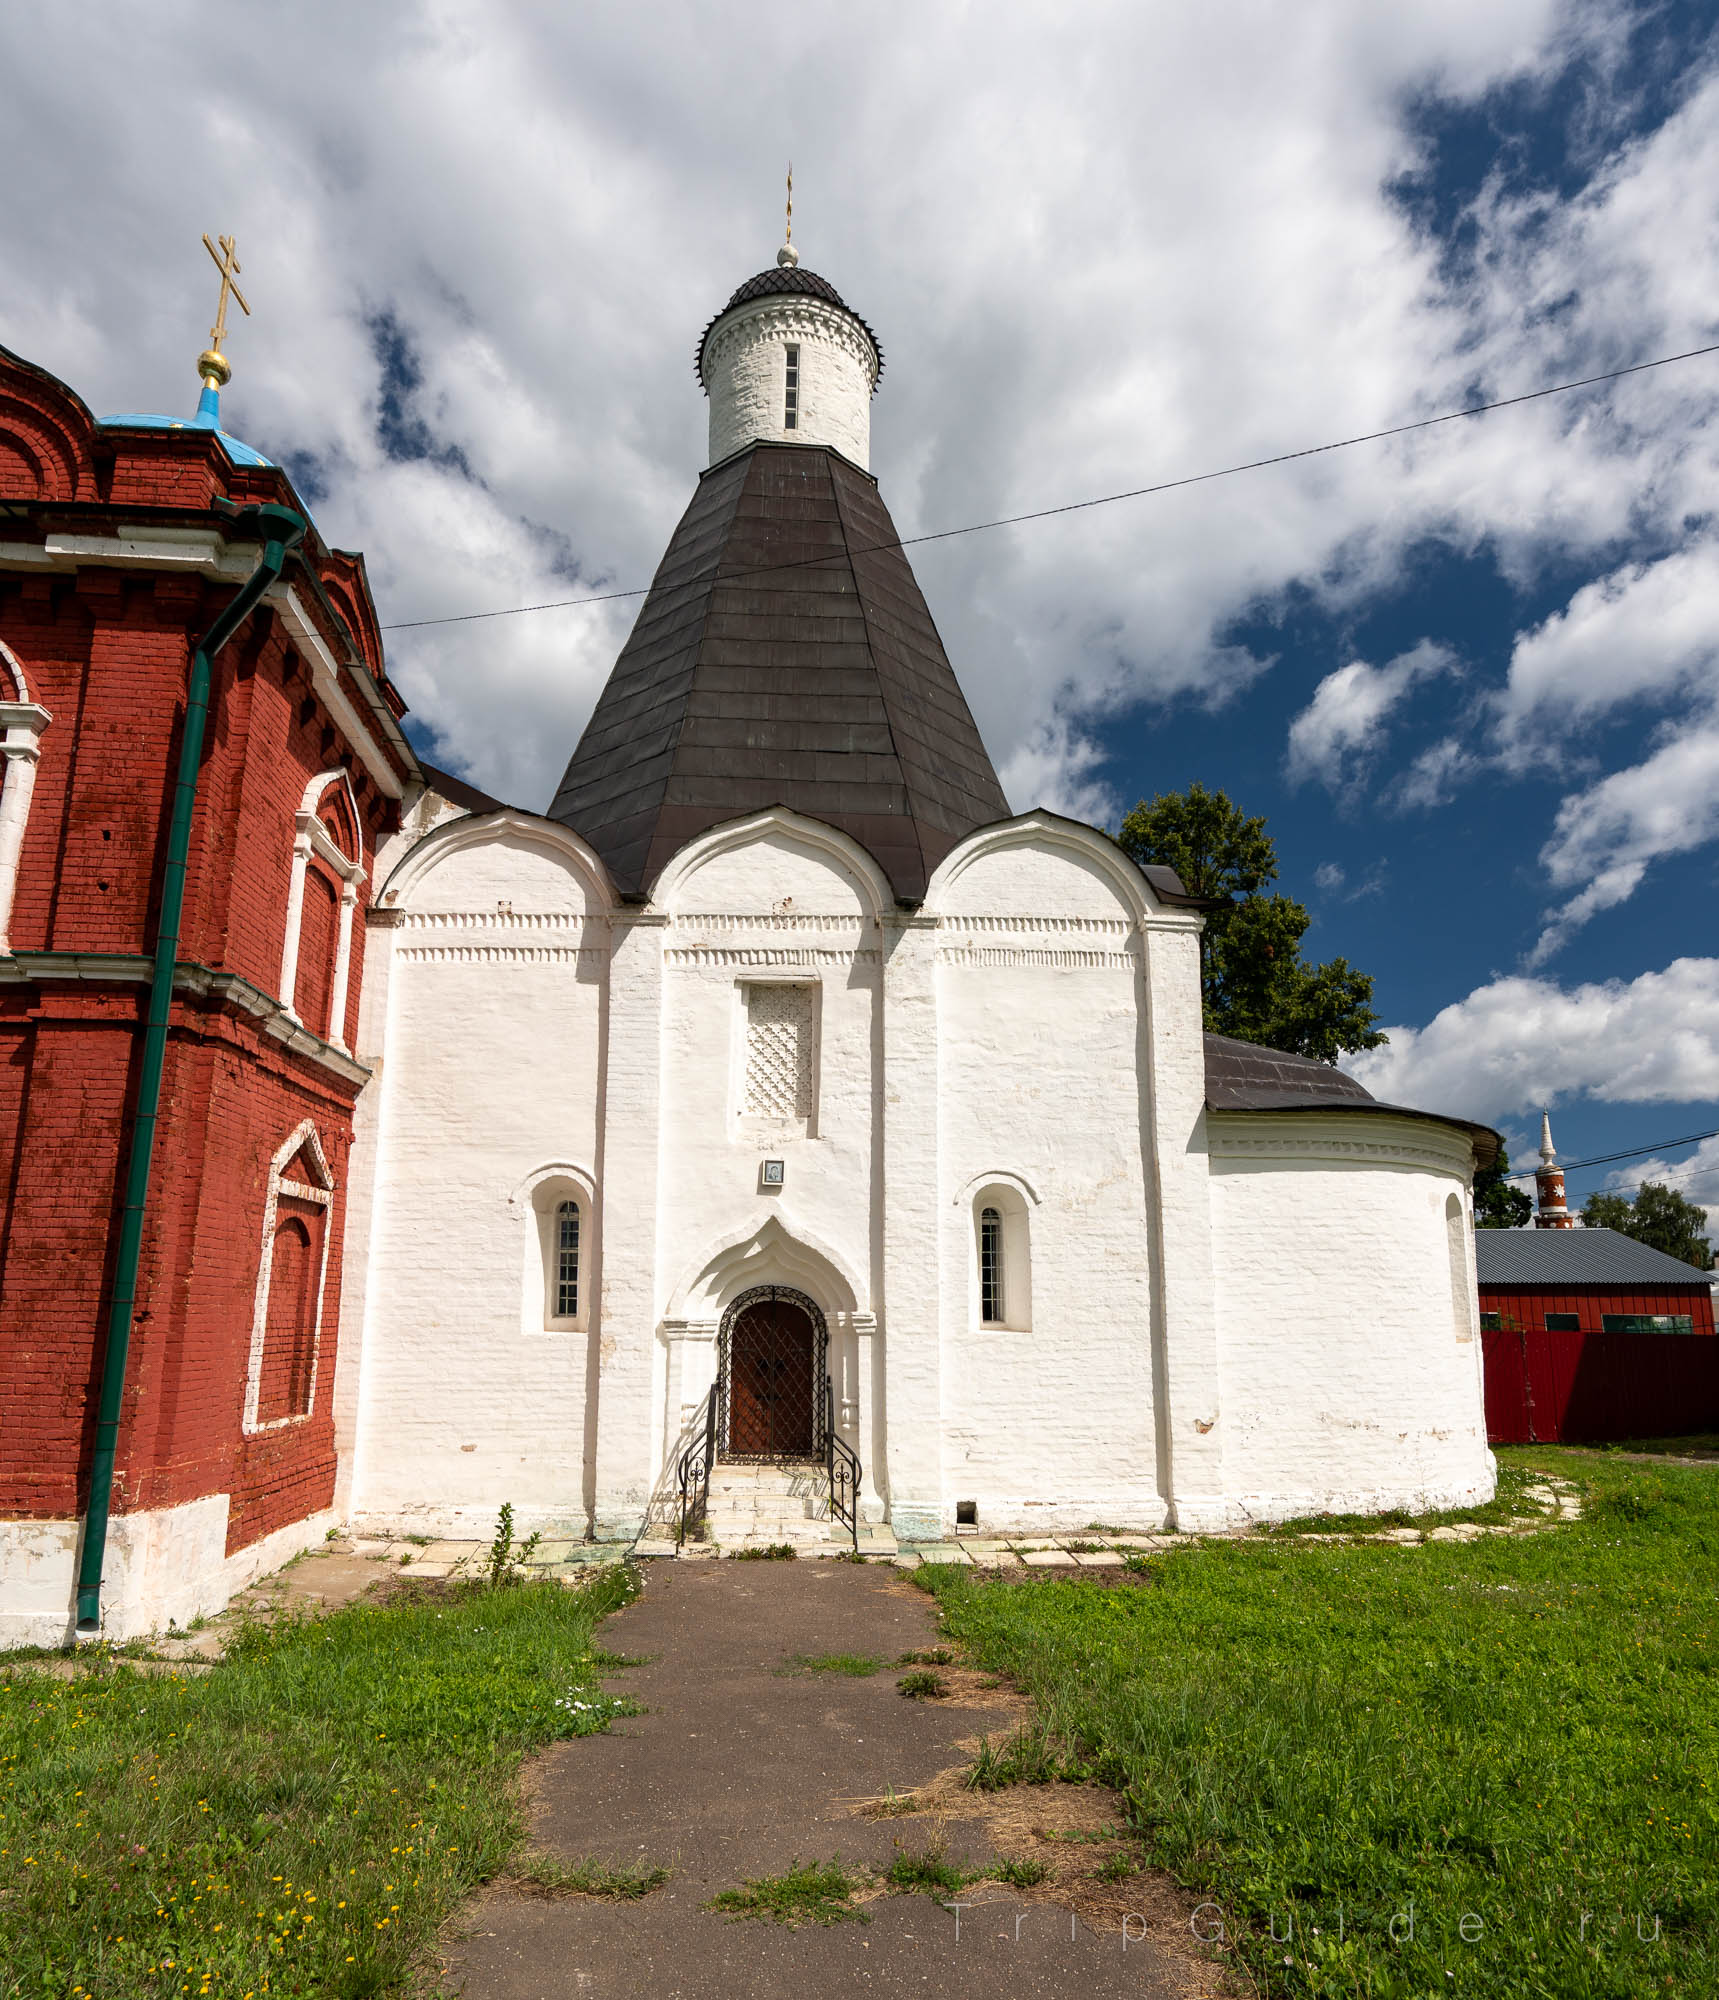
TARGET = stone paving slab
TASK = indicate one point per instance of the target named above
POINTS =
(1097, 1558)
(1049, 1559)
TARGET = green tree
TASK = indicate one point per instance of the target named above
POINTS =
(1498, 1204)
(1659, 1216)
(1256, 985)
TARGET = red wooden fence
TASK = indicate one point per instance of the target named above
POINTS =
(1552, 1388)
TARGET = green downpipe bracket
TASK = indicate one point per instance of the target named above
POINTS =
(281, 530)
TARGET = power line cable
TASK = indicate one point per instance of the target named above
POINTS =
(1661, 1180)
(1605, 1159)
(1081, 506)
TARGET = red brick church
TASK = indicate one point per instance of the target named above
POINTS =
(121, 544)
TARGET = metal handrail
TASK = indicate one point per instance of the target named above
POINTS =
(841, 1464)
(693, 1472)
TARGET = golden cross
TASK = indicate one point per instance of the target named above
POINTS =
(790, 235)
(227, 263)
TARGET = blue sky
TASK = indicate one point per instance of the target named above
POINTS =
(1472, 676)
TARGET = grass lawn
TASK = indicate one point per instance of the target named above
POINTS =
(1512, 1741)
(300, 1819)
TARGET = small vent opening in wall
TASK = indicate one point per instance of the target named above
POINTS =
(966, 1513)
(791, 395)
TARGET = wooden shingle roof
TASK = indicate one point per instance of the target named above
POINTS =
(784, 656)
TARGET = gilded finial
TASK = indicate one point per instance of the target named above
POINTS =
(788, 254)
(212, 364)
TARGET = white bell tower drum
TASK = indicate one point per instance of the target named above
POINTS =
(786, 362)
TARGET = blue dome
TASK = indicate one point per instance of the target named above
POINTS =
(208, 418)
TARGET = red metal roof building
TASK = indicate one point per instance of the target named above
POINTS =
(1590, 1335)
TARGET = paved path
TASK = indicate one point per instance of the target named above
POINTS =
(739, 1769)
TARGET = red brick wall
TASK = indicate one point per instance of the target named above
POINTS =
(107, 652)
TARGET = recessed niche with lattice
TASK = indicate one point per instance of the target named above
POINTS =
(779, 1053)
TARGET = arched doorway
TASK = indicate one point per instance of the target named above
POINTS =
(772, 1362)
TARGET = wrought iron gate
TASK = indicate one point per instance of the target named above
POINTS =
(772, 1364)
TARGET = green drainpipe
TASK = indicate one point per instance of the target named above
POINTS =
(282, 530)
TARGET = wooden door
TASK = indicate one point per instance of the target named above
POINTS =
(771, 1366)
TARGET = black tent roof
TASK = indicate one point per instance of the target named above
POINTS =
(784, 656)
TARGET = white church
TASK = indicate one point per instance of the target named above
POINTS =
(781, 1139)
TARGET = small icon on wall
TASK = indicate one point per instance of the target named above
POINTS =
(773, 1174)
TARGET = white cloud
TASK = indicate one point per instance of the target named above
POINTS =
(1519, 1044)
(1328, 876)
(1606, 837)
(1649, 631)
(1434, 775)
(1336, 735)
(1695, 1177)
(1051, 769)
(551, 202)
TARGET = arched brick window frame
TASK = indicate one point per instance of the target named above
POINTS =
(293, 1205)
(540, 1200)
(999, 1206)
(22, 722)
(314, 838)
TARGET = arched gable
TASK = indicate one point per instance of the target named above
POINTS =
(1042, 865)
(770, 861)
(13, 686)
(46, 435)
(347, 833)
(779, 1251)
(485, 859)
(348, 589)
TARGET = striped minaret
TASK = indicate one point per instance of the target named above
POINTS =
(1549, 1184)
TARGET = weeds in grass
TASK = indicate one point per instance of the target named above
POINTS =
(893, 1804)
(816, 1894)
(929, 1872)
(302, 1817)
(505, 1558)
(587, 1878)
(1118, 1868)
(923, 1685)
(768, 1552)
(1515, 1731)
(1020, 1874)
(1103, 1528)
(1083, 1548)
(857, 1666)
(1029, 1757)
(928, 1656)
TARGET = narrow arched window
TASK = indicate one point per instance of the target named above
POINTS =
(991, 1266)
(289, 1342)
(567, 1260)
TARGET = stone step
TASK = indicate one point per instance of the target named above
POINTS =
(766, 1478)
(755, 1519)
